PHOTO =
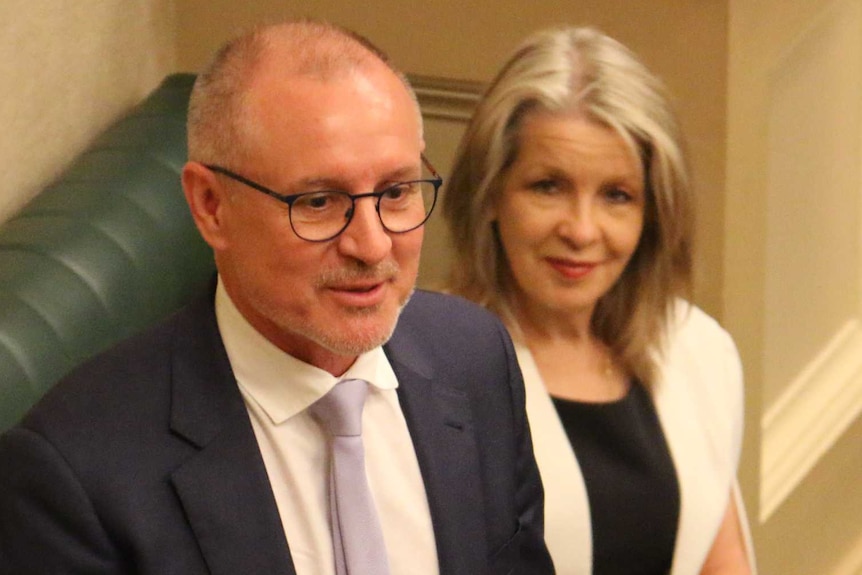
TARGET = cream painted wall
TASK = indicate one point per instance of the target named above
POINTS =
(681, 40)
(792, 275)
(68, 69)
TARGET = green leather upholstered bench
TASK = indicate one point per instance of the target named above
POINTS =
(106, 250)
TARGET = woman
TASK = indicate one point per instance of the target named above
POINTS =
(571, 214)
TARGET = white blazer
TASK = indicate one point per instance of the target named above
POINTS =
(699, 400)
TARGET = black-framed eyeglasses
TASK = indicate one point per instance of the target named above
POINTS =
(323, 215)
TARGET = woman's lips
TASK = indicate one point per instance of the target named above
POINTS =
(571, 269)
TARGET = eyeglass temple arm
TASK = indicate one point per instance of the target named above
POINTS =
(431, 169)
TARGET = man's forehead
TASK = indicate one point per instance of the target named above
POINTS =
(278, 89)
(305, 116)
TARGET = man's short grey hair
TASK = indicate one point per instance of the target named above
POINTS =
(218, 129)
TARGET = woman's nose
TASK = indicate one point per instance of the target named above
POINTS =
(579, 224)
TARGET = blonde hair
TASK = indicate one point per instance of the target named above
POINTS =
(579, 70)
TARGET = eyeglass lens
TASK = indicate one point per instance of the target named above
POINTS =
(323, 215)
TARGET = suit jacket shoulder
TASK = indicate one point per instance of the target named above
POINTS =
(144, 460)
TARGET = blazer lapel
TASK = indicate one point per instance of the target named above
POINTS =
(224, 488)
(441, 428)
(567, 509)
(703, 488)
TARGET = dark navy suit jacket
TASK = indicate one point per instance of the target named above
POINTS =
(144, 459)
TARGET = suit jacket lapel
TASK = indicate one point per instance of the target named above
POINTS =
(224, 488)
(441, 428)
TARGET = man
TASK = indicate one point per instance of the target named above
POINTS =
(194, 449)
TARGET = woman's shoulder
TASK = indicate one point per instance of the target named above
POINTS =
(702, 353)
(690, 325)
(700, 347)
(702, 365)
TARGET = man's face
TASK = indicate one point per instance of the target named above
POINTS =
(327, 302)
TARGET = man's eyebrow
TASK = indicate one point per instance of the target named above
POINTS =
(404, 174)
(316, 184)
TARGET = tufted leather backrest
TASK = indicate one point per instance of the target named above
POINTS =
(106, 250)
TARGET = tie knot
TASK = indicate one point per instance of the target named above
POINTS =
(340, 410)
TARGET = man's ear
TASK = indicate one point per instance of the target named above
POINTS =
(206, 199)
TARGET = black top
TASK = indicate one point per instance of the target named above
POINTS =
(630, 479)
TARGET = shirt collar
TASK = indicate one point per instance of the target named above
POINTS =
(281, 384)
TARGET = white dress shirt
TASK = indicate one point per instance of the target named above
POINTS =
(278, 389)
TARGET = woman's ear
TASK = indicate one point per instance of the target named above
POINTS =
(206, 198)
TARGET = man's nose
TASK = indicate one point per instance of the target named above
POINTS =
(365, 238)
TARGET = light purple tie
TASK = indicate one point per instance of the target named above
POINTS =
(357, 537)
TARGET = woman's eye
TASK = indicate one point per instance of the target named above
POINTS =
(618, 196)
(546, 186)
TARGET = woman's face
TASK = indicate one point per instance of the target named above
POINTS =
(570, 214)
